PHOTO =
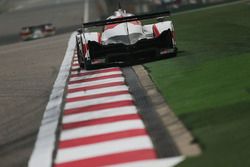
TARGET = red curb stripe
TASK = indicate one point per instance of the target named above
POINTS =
(95, 87)
(73, 99)
(99, 107)
(95, 72)
(112, 159)
(73, 70)
(73, 65)
(100, 121)
(101, 138)
(96, 78)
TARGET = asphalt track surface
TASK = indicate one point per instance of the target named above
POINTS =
(27, 73)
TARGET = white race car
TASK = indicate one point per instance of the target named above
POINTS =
(37, 31)
(125, 39)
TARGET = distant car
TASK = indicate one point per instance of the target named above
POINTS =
(37, 31)
(124, 38)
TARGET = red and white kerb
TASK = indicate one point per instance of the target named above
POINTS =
(100, 124)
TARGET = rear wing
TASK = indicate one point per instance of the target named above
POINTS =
(126, 19)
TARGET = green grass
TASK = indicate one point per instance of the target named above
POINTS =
(208, 84)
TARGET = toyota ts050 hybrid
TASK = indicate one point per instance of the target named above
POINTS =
(125, 39)
(37, 31)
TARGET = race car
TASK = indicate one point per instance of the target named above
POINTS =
(124, 38)
(37, 31)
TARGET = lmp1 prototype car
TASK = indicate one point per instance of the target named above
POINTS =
(38, 31)
(125, 39)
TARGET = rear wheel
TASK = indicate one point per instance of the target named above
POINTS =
(88, 65)
(174, 54)
(80, 61)
(79, 55)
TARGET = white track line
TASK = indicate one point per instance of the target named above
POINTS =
(99, 114)
(103, 148)
(45, 143)
(102, 129)
(86, 11)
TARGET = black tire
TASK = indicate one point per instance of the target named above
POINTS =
(88, 65)
(175, 51)
(174, 54)
(79, 55)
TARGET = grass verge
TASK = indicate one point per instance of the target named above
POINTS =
(208, 84)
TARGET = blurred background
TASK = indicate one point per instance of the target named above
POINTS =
(66, 15)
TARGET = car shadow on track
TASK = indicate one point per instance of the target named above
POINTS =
(132, 62)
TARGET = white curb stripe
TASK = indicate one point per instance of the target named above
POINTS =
(98, 91)
(98, 82)
(103, 148)
(95, 75)
(101, 129)
(45, 143)
(75, 67)
(99, 114)
(103, 100)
